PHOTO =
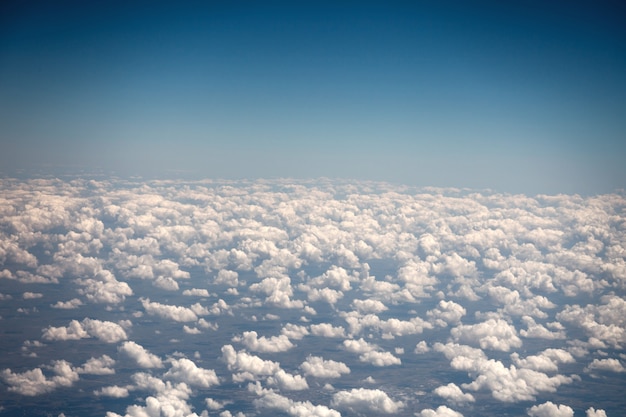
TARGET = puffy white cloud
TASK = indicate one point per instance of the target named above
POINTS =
(441, 411)
(493, 334)
(185, 370)
(105, 331)
(113, 391)
(361, 400)
(247, 366)
(171, 312)
(294, 331)
(549, 409)
(251, 340)
(546, 361)
(288, 382)
(272, 400)
(592, 412)
(98, 366)
(606, 365)
(68, 305)
(447, 312)
(369, 306)
(197, 292)
(317, 367)
(35, 382)
(453, 393)
(140, 355)
(327, 330)
(104, 288)
(31, 295)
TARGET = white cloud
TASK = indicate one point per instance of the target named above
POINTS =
(327, 330)
(288, 382)
(441, 411)
(493, 334)
(197, 292)
(369, 306)
(317, 367)
(98, 366)
(140, 355)
(361, 400)
(68, 305)
(453, 393)
(185, 370)
(247, 366)
(105, 331)
(171, 312)
(35, 382)
(549, 409)
(272, 400)
(31, 295)
(251, 340)
(112, 391)
(606, 365)
(592, 412)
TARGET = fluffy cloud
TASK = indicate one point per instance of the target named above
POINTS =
(140, 355)
(35, 382)
(105, 331)
(453, 393)
(361, 400)
(98, 366)
(68, 305)
(493, 334)
(370, 353)
(319, 368)
(549, 409)
(262, 344)
(185, 370)
(247, 366)
(441, 411)
(112, 391)
(171, 312)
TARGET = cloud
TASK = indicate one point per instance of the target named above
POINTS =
(453, 393)
(247, 366)
(441, 411)
(171, 312)
(288, 382)
(327, 330)
(317, 367)
(272, 400)
(197, 292)
(251, 340)
(112, 391)
(549, 409)
(494, 334)
(140, 355)
(35, 382)
(31, 295)
(361, 400)
(185, 370)
(104, 288)
(605, 365)
(98, 366)
(370, 353)
(105, 331)
(68, 305)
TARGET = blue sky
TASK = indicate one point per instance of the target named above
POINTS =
(519, 97)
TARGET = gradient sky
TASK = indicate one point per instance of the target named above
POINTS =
(521, 96)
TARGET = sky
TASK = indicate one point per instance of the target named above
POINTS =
(521, 97)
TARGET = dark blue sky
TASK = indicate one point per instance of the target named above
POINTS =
(526, 96)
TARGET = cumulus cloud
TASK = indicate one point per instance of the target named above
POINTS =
(272, 400)
(105, 331)
(247, 366)
(251, 340)
(166, 311)
(361, 400)
(68, 305)
(327, 330)
(98, 366)
(549, 409)
(441, 411)
(317, 367)
(112, 391)
(140, 355)
(453, 393)
(35, 382)
(606, 365)
(185, 370)
(494, 334)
